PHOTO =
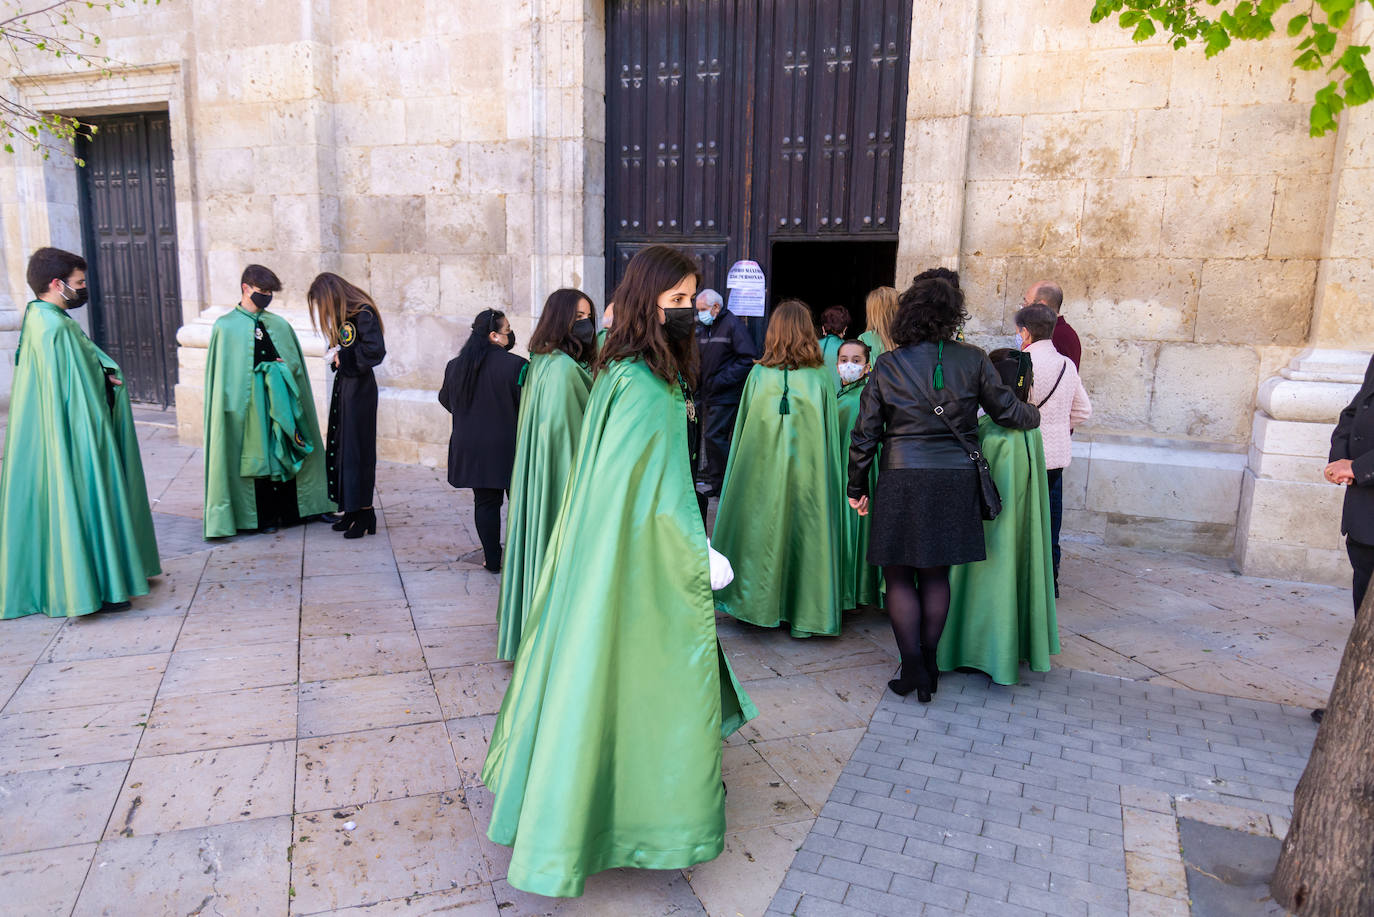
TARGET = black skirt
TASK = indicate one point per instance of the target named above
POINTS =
(926, 517)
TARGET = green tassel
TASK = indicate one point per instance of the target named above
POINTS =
(784, 406)
(940, 367)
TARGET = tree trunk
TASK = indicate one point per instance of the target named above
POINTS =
(1326, 866)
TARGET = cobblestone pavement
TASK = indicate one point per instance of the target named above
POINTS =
(1052, 797)
(293, 724)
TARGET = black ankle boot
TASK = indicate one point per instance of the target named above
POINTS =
(914, 678)
(932, 667)
(344, 521)
(364, 520)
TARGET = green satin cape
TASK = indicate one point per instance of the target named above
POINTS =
(230, 499)
(274, 443)
(875, 344)
(860, 582)
(779, 516)
(551, 407)
(607, 750)
(1002, 609)
(830, 351)
(75, 527)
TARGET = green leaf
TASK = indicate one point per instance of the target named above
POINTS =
(1359, 88)
(1308, 60)
(1326, 41)
(1144, 31)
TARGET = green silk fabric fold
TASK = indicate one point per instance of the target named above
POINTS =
(1002, 609)
(779, 516)
(861, 583)
(830, 351)
(274, 440)
(76, 530)
(875, 344)
(230, 499)
(552, 403)
(607, 749)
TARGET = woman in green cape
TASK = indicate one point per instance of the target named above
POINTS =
(861, 583)
(834, 327)
(881, 307)
(552, 401)
(1001, 610)
(607, 750)
(780, 503)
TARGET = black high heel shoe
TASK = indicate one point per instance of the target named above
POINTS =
(364, 521)
(914, 678)
(343, 522)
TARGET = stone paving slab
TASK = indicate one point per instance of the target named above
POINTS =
(1028, 799)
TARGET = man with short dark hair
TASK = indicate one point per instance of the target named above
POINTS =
(264, 459)
(727, 353)
(1063, 402)
(1050, 294)
(76, 531)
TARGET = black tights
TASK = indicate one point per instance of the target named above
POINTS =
(486, 518)
(917, 603)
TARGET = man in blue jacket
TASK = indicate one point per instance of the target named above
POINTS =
(728, 353)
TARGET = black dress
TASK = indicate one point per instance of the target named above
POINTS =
(481, 448)
(351, 456)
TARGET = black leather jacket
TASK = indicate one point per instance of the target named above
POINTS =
(895, 410)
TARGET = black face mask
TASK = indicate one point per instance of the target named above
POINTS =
(679, 323)
(77, 299)
(261, 300)
(584, 330)
(510, 340)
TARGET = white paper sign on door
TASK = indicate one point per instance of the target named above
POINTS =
(748, 294)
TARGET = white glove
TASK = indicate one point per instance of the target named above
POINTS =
(330, 354)
(722, 574)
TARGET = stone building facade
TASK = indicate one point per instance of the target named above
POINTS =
(450, 155)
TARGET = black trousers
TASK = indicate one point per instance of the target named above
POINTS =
(715, 432)
(276, 502)
(1362, 560)
(1056, 476)
(486, 516)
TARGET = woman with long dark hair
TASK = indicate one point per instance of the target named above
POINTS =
(921, 406)
(482, 392)
(552, 402)
(781, 500)
(352, 326)
(607, 750)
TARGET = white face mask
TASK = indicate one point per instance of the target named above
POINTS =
(850, 372)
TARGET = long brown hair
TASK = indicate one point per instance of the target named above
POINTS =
(637, 332)
(554, 331)
(334, 301)
(790, 342)
(881, 305)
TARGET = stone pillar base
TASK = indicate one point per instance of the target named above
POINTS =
(1290, 517)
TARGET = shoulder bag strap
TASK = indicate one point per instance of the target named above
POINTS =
(1063, 369)
(939, 411)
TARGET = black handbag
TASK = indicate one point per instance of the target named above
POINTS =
(990, 501)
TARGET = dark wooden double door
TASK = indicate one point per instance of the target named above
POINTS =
(128, 220)
(735, 125)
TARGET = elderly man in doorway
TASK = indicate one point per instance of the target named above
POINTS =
(728, 353)
(1048, 293)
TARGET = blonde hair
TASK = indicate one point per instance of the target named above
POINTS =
(881, 305)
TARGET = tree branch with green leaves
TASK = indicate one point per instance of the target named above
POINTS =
(1318, 23)
(30, 32)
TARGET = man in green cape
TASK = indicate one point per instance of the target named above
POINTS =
(779, 516)
(1002, 609)
(607, 750)
(264, 461)
(551, 406)
(76, 533)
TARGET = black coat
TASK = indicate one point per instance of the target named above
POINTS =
(728, 353)
(895, 410)
(1354, 440)
(481, 449)
(351, 444)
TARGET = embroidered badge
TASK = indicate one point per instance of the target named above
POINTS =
(257, 332)
(348, 334)
(299, 440)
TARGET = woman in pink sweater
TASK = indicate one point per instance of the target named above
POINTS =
(1063, 402)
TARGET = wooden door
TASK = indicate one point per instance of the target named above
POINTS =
(731, 125)
(128, 219)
